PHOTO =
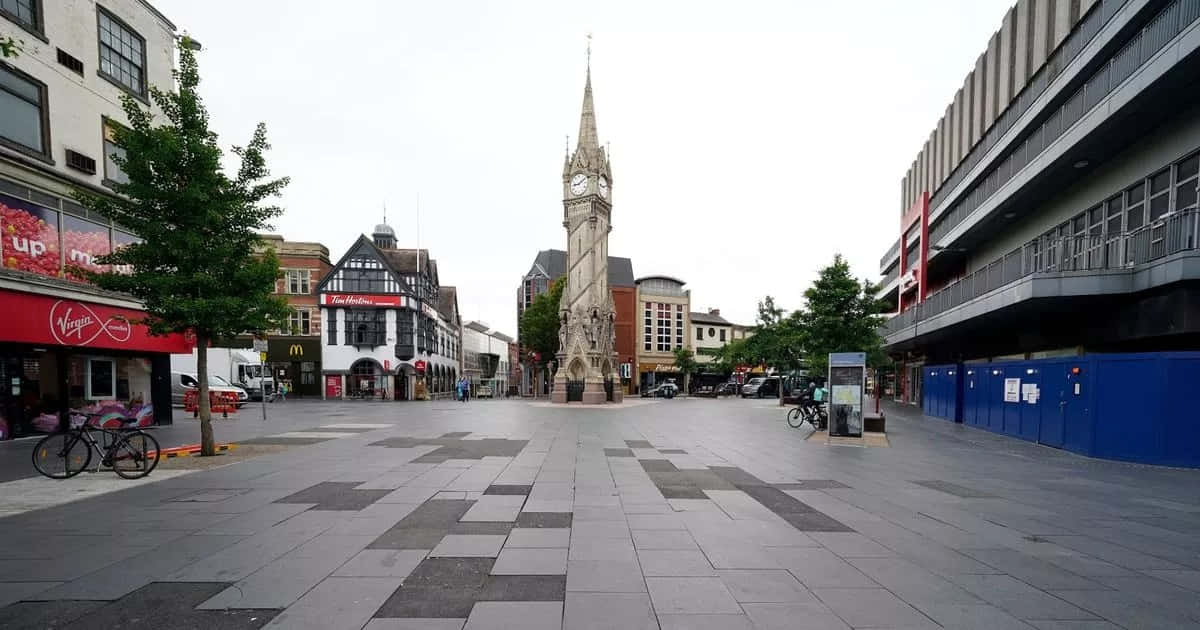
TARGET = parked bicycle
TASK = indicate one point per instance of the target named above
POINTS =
(812, 414)
(129, 451)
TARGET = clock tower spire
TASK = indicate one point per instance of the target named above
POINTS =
(587, 359)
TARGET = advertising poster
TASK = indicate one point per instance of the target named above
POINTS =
(1012, 390)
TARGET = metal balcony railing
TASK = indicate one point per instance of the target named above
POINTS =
(892, 251)
(1169, 234)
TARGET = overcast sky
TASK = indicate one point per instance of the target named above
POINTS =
(750, 140)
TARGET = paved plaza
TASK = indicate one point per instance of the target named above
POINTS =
(679, 514)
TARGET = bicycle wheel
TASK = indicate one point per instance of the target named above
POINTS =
(134, 455)
(794, 418)
(61, 455)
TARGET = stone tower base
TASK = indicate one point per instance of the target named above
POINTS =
(593, 393)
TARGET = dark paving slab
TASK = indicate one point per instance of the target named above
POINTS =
(544, 519)
(337, 430)
(524, 588)
(424, 527)
(333, 495)
(801, 515)
(508, 489)
(672, 451)
(156, 605)
(962, 492)
(456, 434)
(455, 448)
(638, 444)
(439, 588)
(657, 465)
(618, 452)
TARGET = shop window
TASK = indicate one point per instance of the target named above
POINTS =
(123, 239)
(84, 242)
(101, 379)
(23, 123)
(29, 237)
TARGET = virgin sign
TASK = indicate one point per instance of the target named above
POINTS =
(74, 324)
(40, 319)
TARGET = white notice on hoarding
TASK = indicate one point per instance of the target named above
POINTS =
(1026, 390)
(847, 395)
(1012, 390)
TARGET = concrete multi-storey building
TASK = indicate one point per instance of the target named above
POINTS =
(664, 325)
(548, 266)
(391, 329)
(63, 343)
(486, 357)
(1052, 209)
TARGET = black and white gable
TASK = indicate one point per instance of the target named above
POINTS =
(364, 269)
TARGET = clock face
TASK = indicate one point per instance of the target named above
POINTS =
(578, 184)
(604, 187)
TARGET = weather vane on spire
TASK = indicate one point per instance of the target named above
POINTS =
(589, 50)
(385, 212)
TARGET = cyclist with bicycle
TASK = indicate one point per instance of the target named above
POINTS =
(809, 407)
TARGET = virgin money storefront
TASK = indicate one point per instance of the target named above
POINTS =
(66, 347)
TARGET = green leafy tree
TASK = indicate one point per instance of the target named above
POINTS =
(539, 323)
(728, 357)
(840, 314)
(686, 362)
(198, 266)
(777, 341)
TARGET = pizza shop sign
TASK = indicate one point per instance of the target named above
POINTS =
(48, 320)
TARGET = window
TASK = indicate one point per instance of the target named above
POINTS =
(1160, 193)
(678, 325)
(722, 334)
(1135, 206)
(364, 275)
(366, 327)
(331, 325)
(298, 281)
(663, 321)
(112, 171)
(101, 379)
(26, 13)
(1186, 178)
(300, 322)
(648, 328)
(122, 53)
(22, 112)
(700, 334)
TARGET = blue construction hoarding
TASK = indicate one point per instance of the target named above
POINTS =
(1141, 407)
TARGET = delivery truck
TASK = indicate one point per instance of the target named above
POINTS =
(236, 365)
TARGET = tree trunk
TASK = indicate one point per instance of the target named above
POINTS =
(207, 446)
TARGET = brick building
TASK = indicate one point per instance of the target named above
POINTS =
(294, 354)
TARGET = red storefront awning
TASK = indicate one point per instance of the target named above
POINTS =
(40, 319)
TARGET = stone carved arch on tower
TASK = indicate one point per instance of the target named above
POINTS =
(577, 370)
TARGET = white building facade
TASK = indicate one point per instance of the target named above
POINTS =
(391, 331)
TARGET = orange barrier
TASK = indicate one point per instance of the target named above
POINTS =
(223, 402)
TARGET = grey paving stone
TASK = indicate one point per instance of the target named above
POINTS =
(508, 489)
(540, 538)
(408, 494)
(872, 607)
(657, 465)
(954, 489)
(672, 451)
(851, 545)
(1031, 570)
(663, 539)
(284, 580)
(16, 591)
(674, 563)
(740, 555)
(584, 513)
(1125, 610)
(481, 527)
(764, 586)
(972, 617)
(256, 520)
(690, 596)
(618, 452)
(811, 484)
(911, 583)
(467, 546)
(604, 576)
(495, 508)
(655, 521)
(382, 563)
(598, 530)
(638, 444)
(1019, 598)
(793, 616)
(549, 505)
(531, 562)
(47, 614)
(338, 602)
(1188, 579)
(152, 603)
(820, 568)
(616, 549)
(516, 616)
(1157, 592)
(608, 611)
(704, 622)
(1050, 624)
(330, 495)
(240, 560)
(415, 624)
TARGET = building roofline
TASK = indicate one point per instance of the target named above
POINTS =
(671, 278)
(158, 14)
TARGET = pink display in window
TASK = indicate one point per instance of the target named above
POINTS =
(83, 243)
(28, 237)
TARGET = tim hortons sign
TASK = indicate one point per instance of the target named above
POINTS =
(360, 299)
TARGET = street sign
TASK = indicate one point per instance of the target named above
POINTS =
(262, 357)
(260, 345)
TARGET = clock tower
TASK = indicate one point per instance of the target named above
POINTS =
(587, 357)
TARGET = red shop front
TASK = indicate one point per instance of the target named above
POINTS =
(67, 347)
